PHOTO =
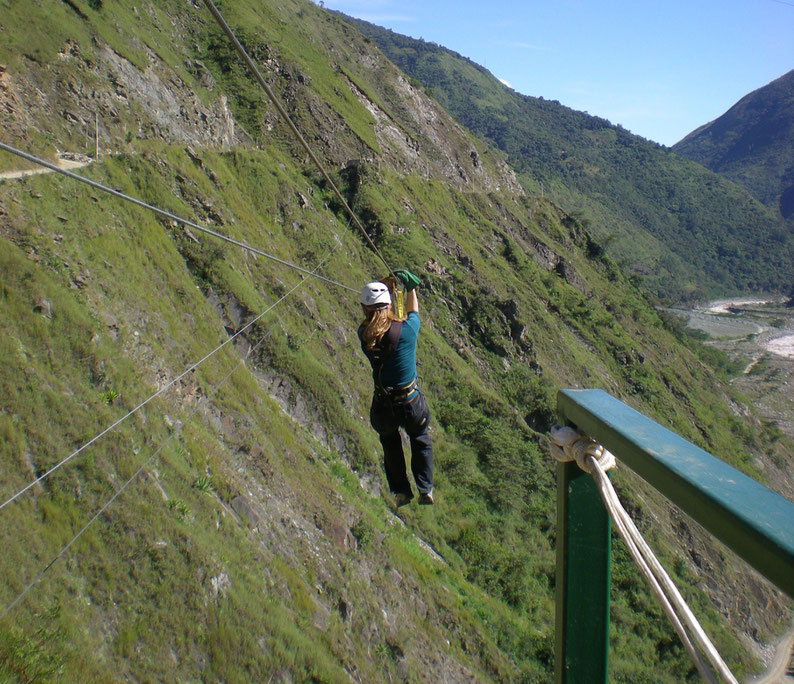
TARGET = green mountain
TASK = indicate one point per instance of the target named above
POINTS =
(752, 144)
(687, 233)
(176, 506)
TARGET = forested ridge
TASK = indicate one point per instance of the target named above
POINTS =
(685, 232)
(752, 144)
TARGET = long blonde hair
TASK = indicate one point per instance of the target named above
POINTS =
(376, 325)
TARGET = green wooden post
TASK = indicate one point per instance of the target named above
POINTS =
(753, 521)
(582, 602)
(750, 519)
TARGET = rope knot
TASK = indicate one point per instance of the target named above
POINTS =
(566, 444)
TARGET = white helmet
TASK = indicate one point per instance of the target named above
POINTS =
(375, 294)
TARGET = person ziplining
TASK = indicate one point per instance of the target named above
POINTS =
(388, 340)
(389, 343)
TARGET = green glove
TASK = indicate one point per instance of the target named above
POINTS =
(407, 278)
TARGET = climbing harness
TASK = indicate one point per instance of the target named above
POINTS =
(399, 395)
(382, 349)
(566, 444)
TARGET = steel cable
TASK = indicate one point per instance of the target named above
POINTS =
(159, 450)
(136, 409)
(167, 214)
(284, 115)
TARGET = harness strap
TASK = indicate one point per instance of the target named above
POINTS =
(382, 350)
(399, 395)
(378, 356)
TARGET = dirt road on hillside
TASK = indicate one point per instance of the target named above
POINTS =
(65, 163)
(781, 665)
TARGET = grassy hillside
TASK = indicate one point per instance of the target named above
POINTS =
(752, 144)
(685, 232)
(258, 540)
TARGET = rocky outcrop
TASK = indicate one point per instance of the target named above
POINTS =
(425, 140)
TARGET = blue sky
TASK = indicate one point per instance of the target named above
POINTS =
(660, 69)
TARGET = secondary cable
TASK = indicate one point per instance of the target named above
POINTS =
(162, 212)
(284, 115)
(134, 410)
(140, 469)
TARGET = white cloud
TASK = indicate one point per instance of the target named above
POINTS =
(507, 83)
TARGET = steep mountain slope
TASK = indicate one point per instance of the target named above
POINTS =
(753, 144)
(687, 233)
(253, 538)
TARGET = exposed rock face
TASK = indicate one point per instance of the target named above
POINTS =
(112, 96)
(9, 102)
(436, 145)
(13, 110)
(107, 93)
(178, 114)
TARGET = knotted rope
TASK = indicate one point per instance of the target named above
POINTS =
(569, 445)
(566, 444)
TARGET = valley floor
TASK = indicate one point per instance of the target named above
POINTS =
(760, 334)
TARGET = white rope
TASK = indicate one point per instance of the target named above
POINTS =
(569, 445)
(650, 569)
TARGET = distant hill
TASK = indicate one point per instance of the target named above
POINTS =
(687, 233)
(753, 144)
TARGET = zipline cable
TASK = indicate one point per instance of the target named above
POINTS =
(136, 409)
(162, 212)
(284, 115)
(159, 450)
(140, 469)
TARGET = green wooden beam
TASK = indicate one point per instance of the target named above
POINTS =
(582, 586)
(750, 519)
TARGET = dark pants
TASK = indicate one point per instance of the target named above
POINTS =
(387, 418)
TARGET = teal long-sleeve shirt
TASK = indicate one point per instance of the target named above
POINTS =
(400, 368)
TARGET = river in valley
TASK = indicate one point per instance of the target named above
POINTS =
(766, 323)
(758, 333)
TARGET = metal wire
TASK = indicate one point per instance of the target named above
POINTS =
(137, 408)
(166, 214)
(284, 115)
(159, 450)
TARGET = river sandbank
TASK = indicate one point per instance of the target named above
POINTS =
(782, 346)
